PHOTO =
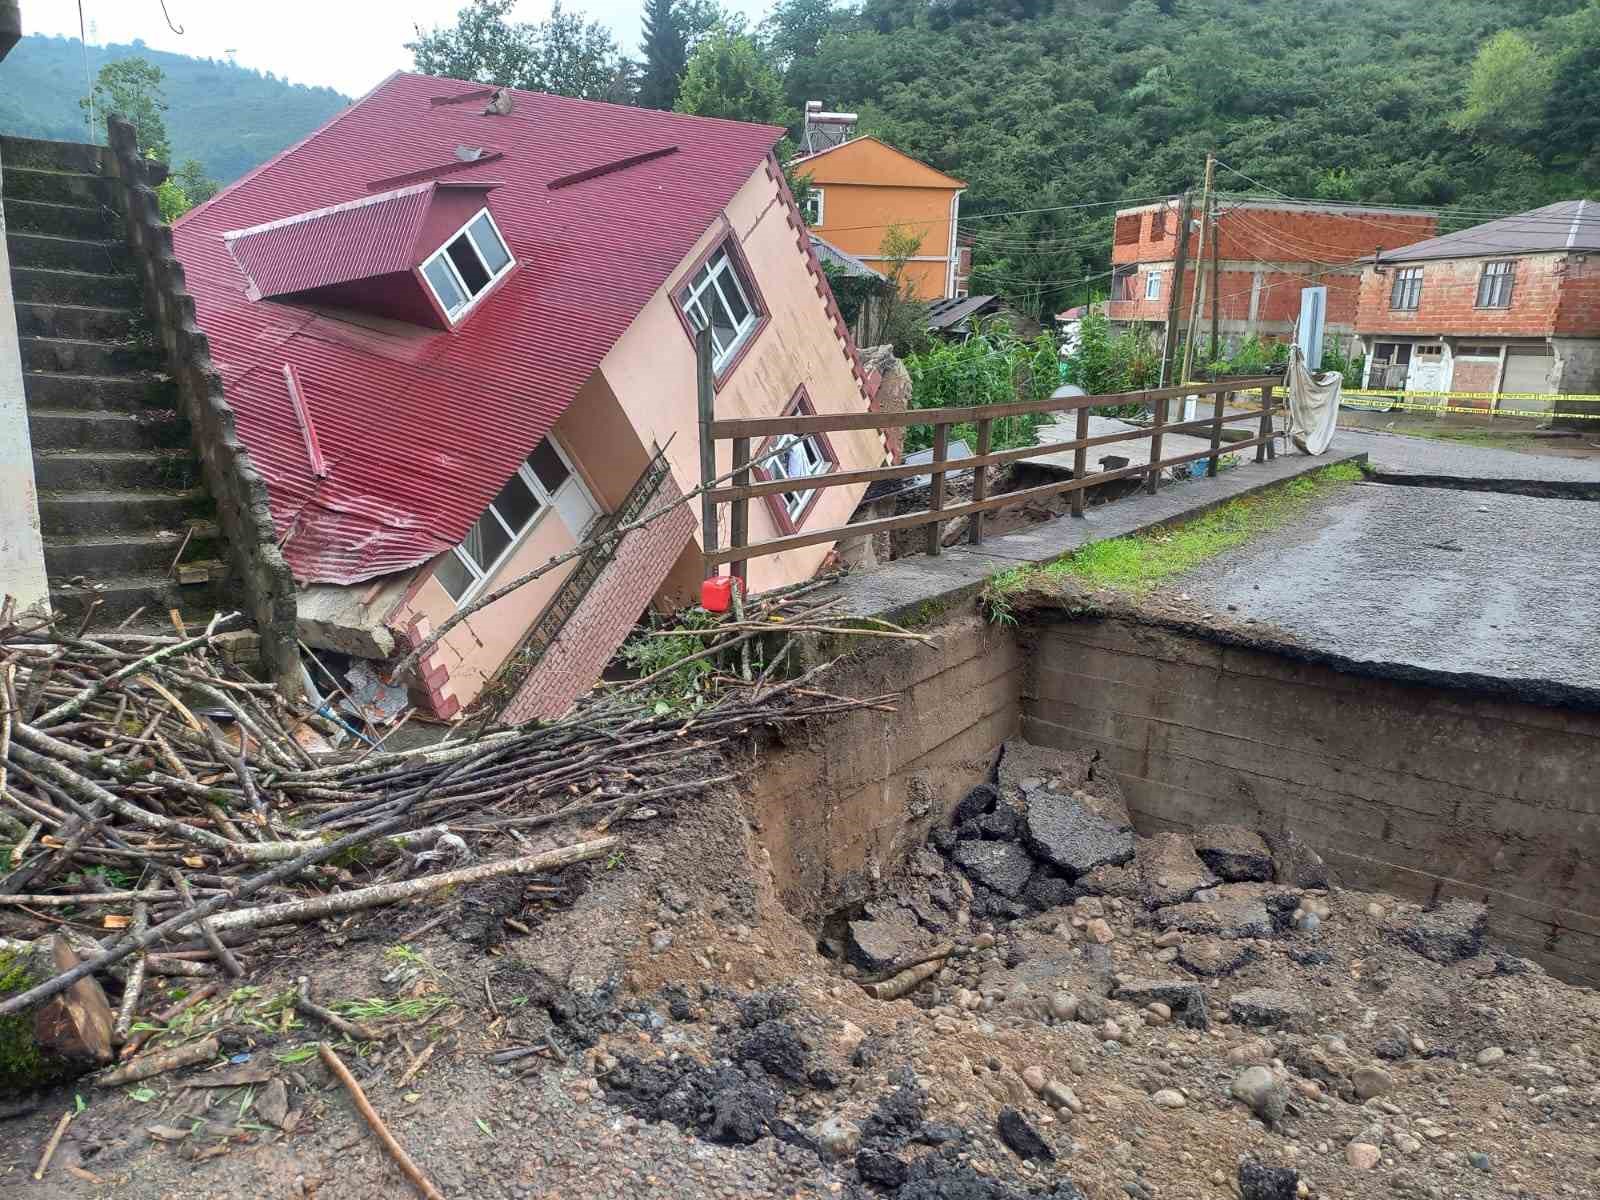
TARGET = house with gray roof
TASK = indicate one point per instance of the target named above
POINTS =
(1506, 313)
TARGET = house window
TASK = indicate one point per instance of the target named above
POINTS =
(797, 457)
(1158, 224)
(1152, 286)
(718, 295)
(1126, 230)
(1406, 293)
(1494, 285)
(464, 267)
(526, 496)
(814, 207)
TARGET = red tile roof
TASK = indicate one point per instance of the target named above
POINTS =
(421, 427)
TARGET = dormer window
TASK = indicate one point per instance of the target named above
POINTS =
(464, 267)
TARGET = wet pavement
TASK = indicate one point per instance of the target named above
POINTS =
(1460, 583)
(1398, 454)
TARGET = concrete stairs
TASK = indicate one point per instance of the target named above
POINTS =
(120, 491)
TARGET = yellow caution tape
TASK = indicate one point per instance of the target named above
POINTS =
(1532, 414)
(1552, 396)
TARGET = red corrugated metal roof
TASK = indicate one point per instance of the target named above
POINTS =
(421, 427)
(375, 235)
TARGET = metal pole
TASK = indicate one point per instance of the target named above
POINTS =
(706, 385)
(1169, 344)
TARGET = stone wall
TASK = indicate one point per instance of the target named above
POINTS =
(267, 587)
(1421, 791)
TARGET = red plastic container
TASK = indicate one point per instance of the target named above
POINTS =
(716, 593)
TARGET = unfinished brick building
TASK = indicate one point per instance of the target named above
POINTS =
(1267, 251)
(1510, 306)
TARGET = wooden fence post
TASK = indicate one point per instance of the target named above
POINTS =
(980, 482)
(1216, 434)
(706, 387)
(1080, 463)
(739, 536)
(1266, 452)
(1158, 423)
(941, 453)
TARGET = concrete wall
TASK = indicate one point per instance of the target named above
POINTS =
(844, 803)
(1425, 792)
(22, 572)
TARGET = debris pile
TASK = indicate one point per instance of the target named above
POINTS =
(153, 793)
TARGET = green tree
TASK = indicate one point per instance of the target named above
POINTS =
(566, 55)
(727, 77)
(795, 28)
(131, 88)
(183, 189)
(1507, 90)
(666, 54)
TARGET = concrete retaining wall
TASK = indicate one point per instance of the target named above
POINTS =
(845, 802)
(1421, 791)
(267, 587)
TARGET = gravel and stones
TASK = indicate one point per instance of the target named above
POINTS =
(1187, 1001)
(1270, 1008)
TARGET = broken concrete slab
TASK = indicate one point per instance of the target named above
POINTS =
(1024, 767)
(1111, 880)
(1002, 867)
(1001, 825)
(1267, 1007)
(1047, 888)
(881, 943)
(1221, 912)
(1235, 853)
(975, 803)
(1450, 933)
(1296, 864)
(1187, 1000)
(1064, 831)
(1212, 958)
(1169, 870)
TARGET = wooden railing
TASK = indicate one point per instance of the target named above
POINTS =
(740, 431)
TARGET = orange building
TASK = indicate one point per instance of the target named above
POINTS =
(863, 187)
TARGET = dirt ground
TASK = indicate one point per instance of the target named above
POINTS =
(677, 958)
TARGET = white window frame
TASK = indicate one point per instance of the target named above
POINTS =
(720, 265)
(547, 504)
(777, 467)
(442, 255)
(816, 207)
(1152, 286)
(1407, 286)
(1493, 281)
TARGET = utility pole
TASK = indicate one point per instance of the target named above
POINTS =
(1197, 302)
(1169, 344)
(1216, 282)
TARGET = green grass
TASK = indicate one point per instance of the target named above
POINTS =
(1136, 564)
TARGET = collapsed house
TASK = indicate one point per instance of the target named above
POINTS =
(457, 327)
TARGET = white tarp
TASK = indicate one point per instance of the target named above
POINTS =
(1313, 404)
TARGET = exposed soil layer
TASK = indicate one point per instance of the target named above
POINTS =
(673, 1031)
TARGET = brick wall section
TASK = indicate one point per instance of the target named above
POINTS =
(234, 483)
(1422, 791)
(1264, 253)
(433, 692)
(1578, 309)
(592, 634)
(1449, 296)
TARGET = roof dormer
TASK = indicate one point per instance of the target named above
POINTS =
(425, 254)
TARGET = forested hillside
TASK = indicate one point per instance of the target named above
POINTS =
(1045, 103)
(228, 117)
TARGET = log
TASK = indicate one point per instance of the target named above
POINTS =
(364, 1106)
(62, 1038)
(151, 1065)
(899, 985)
(390, 893)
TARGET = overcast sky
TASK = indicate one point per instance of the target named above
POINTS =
(345, 44)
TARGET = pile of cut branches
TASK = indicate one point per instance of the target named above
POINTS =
(160, 809)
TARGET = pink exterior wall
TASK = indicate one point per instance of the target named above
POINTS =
(475, 649)
(651, 371)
